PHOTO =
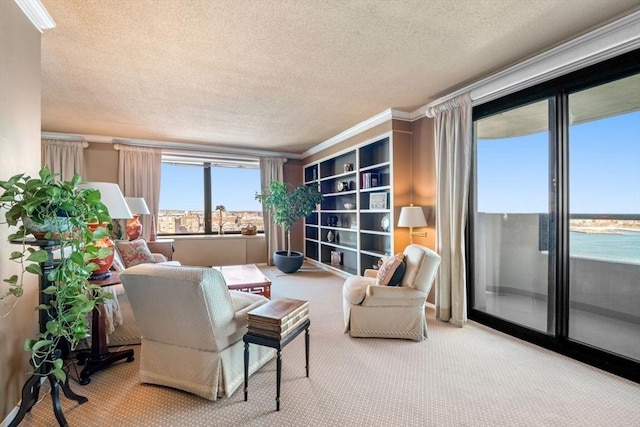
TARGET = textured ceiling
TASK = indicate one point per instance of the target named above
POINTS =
(281, 75)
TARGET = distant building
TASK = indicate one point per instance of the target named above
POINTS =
(178, 222)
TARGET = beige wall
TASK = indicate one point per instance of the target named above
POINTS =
(293, 176)
(220, 250)
(20, 148)
(424, 179)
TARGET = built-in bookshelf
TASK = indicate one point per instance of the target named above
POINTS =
(363, 189)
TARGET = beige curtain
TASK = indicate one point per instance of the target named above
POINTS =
(272, 169)
(64, 157)
(453, 125)
(139, 172)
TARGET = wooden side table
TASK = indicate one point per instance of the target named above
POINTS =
(99, 357)
(279, 312)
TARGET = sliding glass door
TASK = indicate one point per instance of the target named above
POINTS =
(604, 206)
(511, 211)
(554, 215)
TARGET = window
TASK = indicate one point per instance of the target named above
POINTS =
(192, 188)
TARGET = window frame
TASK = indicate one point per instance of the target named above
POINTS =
(207, 163)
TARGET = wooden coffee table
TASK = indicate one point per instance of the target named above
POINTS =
(246, 278)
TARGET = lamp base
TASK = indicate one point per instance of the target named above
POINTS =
(104, 264)
(100, 276)
(134, 228)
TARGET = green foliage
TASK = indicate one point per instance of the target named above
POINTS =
(70, 297)
(288, 204)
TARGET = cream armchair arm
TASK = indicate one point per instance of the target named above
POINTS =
(370, 272)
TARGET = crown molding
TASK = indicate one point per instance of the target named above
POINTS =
(385, 116)
(37, 14)
(608, 41)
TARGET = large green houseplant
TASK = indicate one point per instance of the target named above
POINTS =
(64, 209)
(287, 205)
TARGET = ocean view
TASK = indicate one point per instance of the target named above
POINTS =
(622, 247)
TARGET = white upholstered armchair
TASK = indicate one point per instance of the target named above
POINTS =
(391, 311)
(192, 328)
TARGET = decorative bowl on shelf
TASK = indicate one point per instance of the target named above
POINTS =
(349, 205)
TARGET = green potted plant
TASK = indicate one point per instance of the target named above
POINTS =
(64, 209)
(287, 205)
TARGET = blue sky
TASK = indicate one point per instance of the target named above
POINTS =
(183, 188)
(604, 169)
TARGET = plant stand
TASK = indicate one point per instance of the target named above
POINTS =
(31, 393)
(31, 388)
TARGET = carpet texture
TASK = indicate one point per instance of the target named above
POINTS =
(471, 376)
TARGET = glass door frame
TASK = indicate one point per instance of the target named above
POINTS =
(557, 90)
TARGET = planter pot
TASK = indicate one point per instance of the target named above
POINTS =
(288, 264)
(55, 227)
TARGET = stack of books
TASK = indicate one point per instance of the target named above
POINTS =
(277, 318)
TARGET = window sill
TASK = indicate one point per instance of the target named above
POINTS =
(210, 236)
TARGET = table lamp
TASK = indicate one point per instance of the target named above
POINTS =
(138, 207)
(412, 216)
(112, 198)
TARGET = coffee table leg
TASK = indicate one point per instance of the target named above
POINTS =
(246, 371)
(306, 349)
(278, 378)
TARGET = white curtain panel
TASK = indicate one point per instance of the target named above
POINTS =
(64, 157)
(139, 172)
(453, 125)
(272, 169)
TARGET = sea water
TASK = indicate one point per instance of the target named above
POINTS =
(623, 247)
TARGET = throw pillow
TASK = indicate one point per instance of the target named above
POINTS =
(391, 271)
(134, 252)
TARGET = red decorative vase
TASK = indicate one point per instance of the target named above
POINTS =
(104, 264)
(134, 228)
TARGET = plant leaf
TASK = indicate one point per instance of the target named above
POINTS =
(40, 344)
(34, 269)
(39, 256)
(12, 280)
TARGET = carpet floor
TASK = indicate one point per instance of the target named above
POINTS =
(471, 376)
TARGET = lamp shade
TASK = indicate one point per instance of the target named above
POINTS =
(137, 206)
(412, 216)
(112, 198)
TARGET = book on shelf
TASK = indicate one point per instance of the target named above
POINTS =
(369, 180)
